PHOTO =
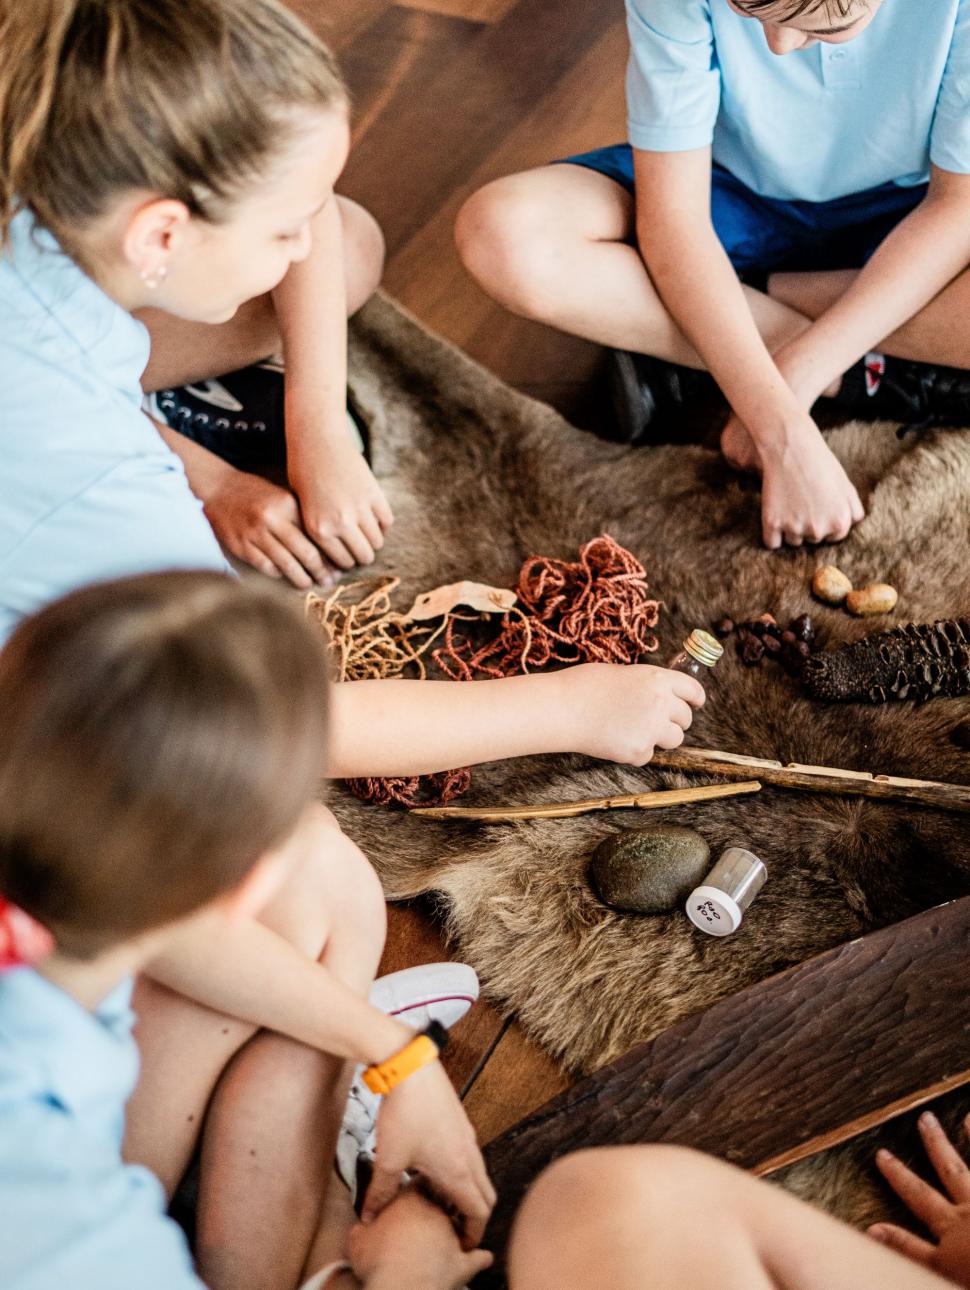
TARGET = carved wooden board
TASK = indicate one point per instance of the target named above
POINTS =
(797, 1063)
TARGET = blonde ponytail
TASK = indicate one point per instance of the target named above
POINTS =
(188, 100)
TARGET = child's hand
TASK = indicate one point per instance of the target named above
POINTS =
(415, 1242)
(259, 522)
(422, 1127)
(946, 1213)
(738, 448)
(806, 495)
(344, 509)
(623, 714)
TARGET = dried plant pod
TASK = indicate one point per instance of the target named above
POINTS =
(918, 661)
(831, 585)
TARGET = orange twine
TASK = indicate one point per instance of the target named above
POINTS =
(593, 610)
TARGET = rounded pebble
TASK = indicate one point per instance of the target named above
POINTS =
(877, 598)
(649, 871)
(831, 585)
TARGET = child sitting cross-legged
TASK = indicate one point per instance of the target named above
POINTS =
(177, 163)
(160, 749)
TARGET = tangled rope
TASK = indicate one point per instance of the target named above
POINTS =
(593, 610)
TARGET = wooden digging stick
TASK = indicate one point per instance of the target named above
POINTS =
(790, 1066)
(564, 810)
(818, 779)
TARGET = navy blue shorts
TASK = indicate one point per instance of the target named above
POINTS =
(769, 235)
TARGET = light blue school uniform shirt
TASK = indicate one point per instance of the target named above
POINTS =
(88, 488)
(72, 1214)
(813, 125)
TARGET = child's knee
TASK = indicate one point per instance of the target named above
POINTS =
(363, 252)
(622, 1185)
(503, 240)
(331, 890)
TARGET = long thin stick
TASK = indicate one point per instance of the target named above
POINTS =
(564, 810)
(818, 779)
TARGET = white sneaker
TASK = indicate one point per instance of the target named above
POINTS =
(417, 996)
(433, 992)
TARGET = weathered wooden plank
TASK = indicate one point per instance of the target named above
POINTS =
(819, 779)
(798, 1062)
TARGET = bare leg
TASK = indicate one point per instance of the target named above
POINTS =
(183, 352)
(666, 1218)
(270, 1130)
(931, 336)
(556, 245)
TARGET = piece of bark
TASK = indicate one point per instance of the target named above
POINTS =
(790, 1066)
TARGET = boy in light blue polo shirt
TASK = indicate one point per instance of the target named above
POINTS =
(792, 214)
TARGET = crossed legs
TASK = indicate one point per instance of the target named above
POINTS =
(556, 245)
(268, 1109)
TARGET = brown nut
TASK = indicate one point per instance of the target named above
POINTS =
(877, 598)
(830, 584)
(803, 628)
(723, 628)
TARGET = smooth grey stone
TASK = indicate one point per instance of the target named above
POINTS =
(649, 871)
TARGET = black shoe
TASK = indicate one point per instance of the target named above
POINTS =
(878, 388)
(239, 417)
(650, 397)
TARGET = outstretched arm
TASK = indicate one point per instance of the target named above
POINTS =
(416, 727)
(807, 494)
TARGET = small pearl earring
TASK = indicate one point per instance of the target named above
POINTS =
(153, 280)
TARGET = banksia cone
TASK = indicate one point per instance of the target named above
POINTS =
(918, 661)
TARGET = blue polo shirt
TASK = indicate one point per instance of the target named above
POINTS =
(88, 488)
(813, 125)
(72, 1214)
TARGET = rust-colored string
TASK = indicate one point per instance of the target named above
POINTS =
(593, 610)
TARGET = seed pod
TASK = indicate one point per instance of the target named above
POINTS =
(831, 585)
(772, 644)
(803, 627)
(877, 598)
(752, 652)
(917, 662)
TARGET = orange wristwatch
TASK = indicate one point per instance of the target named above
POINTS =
(420, 1051)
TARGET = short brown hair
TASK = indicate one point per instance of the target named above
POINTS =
(185, 98)
(789, 9)
(158, 734)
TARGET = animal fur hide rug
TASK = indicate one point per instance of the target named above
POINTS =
(481, 477)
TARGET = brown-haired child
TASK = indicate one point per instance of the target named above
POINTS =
(160, 753)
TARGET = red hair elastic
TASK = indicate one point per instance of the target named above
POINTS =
(22, 940)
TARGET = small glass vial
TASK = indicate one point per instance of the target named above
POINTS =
(701, 651)
(718, 905)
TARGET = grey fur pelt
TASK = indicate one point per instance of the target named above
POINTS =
(479, 478)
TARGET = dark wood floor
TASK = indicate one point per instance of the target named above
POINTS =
(449, 94)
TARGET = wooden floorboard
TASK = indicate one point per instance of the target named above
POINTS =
(449, 94)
